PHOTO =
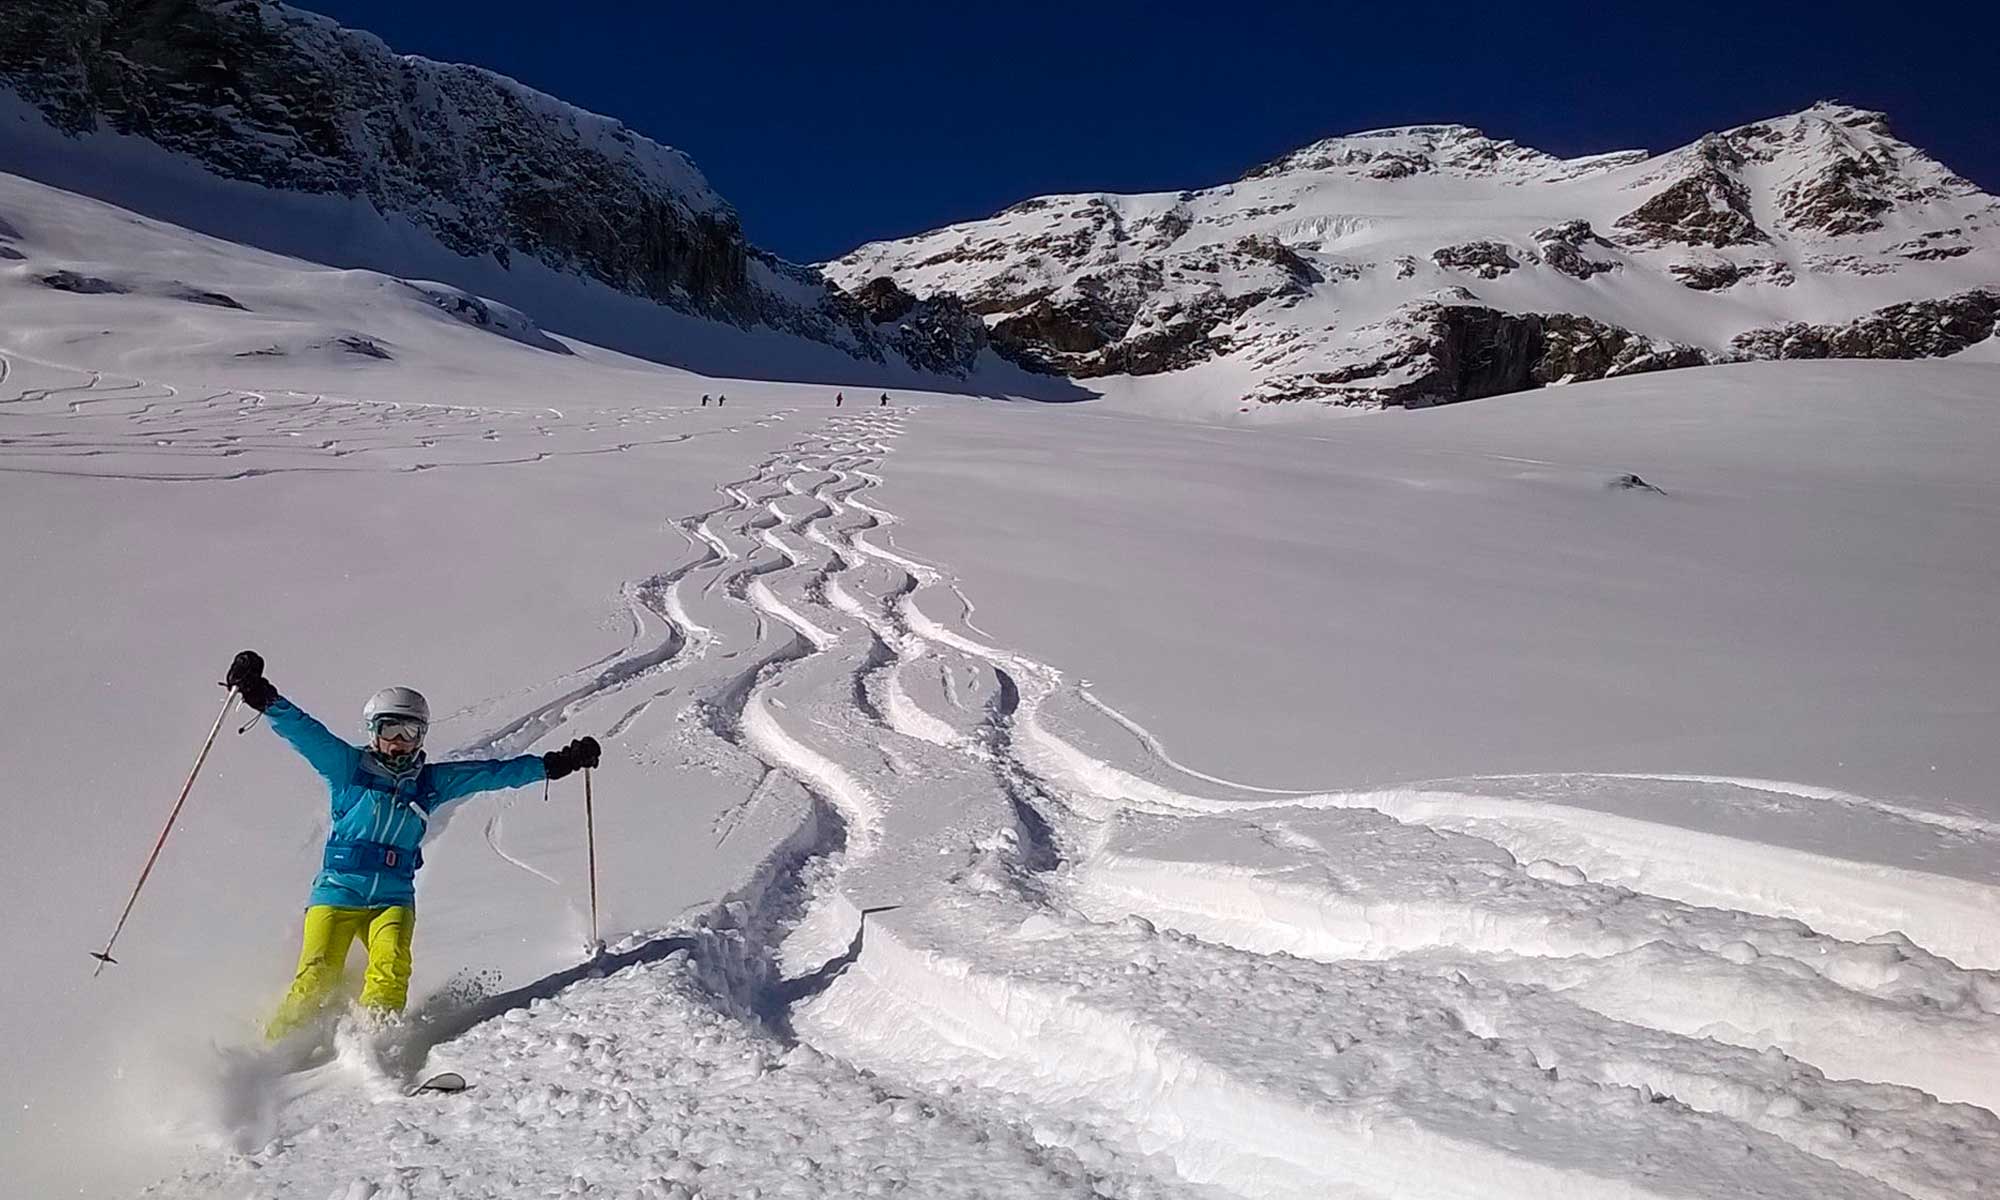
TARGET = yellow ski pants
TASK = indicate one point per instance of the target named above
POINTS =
(330, 931)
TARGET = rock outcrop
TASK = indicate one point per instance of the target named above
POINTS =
(939, 334)
(1488, 260)
(1707, 204)
(1575, 249)
(1444, 350)
(1717, 274)
(274, 96)
(1918, 329)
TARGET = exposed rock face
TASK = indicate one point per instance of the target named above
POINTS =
(1857, 175)
(938, 335)
(1147, 316)
(1574, 248)
(8, 236)
(1447, 350)
(1719, 274)
(259, 92)
(1298, 273)
(1920, 329)
(211, 299)
(84, 285)
(1936, 245)
(282, 98)
(1473, 351)
(1845, 196)
(1577, 348)
(1488, 260)
(1094, 335)
(1182, 336)
(1062, 332)
(1411, 150)
(1839, 175)
(1709, 205)
(883, 300)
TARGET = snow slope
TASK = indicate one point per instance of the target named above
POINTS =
(992, 802)
(1305, 279)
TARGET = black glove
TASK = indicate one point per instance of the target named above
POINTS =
(246, 675)
(583, 752)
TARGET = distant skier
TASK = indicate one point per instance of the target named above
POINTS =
(704, 399)
(720, 400)
(837, 397)
(383, 798)
(885, 401)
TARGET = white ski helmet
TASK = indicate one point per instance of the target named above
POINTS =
(401, 702)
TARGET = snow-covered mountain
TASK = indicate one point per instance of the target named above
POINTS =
(356, 156)
(1432, 262)
(1405, 266)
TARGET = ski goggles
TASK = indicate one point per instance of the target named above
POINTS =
(397, 729)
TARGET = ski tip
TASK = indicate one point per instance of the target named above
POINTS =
(444, 1083)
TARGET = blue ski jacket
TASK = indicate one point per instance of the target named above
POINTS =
(379, 814)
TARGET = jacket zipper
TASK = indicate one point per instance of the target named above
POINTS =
(386, 824)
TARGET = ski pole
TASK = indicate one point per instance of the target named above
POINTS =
(590, 840)
(104, 957)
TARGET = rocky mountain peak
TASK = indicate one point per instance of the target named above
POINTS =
(1433, 262)
(1831, 170)
(1848, 115)
(1407, 150)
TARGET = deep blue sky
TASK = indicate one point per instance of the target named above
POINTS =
(831, 124)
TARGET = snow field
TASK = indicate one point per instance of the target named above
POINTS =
(891, 1021)
(89, 423)
(1274, 995)
(161, 524)
(921, 1000)
(637, 1088)
(1857, 899)
(1446, 991)
(951, 1011)
(1344, 889)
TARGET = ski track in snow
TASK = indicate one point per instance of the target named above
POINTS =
(1015, 948)
(135, 424)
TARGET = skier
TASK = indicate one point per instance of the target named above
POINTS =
(837, 399)
(721, 399)
(704, 399)
(383, 798)
(885, 401)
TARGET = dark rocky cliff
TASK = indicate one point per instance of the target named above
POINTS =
(258, 92)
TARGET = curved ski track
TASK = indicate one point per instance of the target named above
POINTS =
(1435, 993)
(74, 421)
(1406, 993)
